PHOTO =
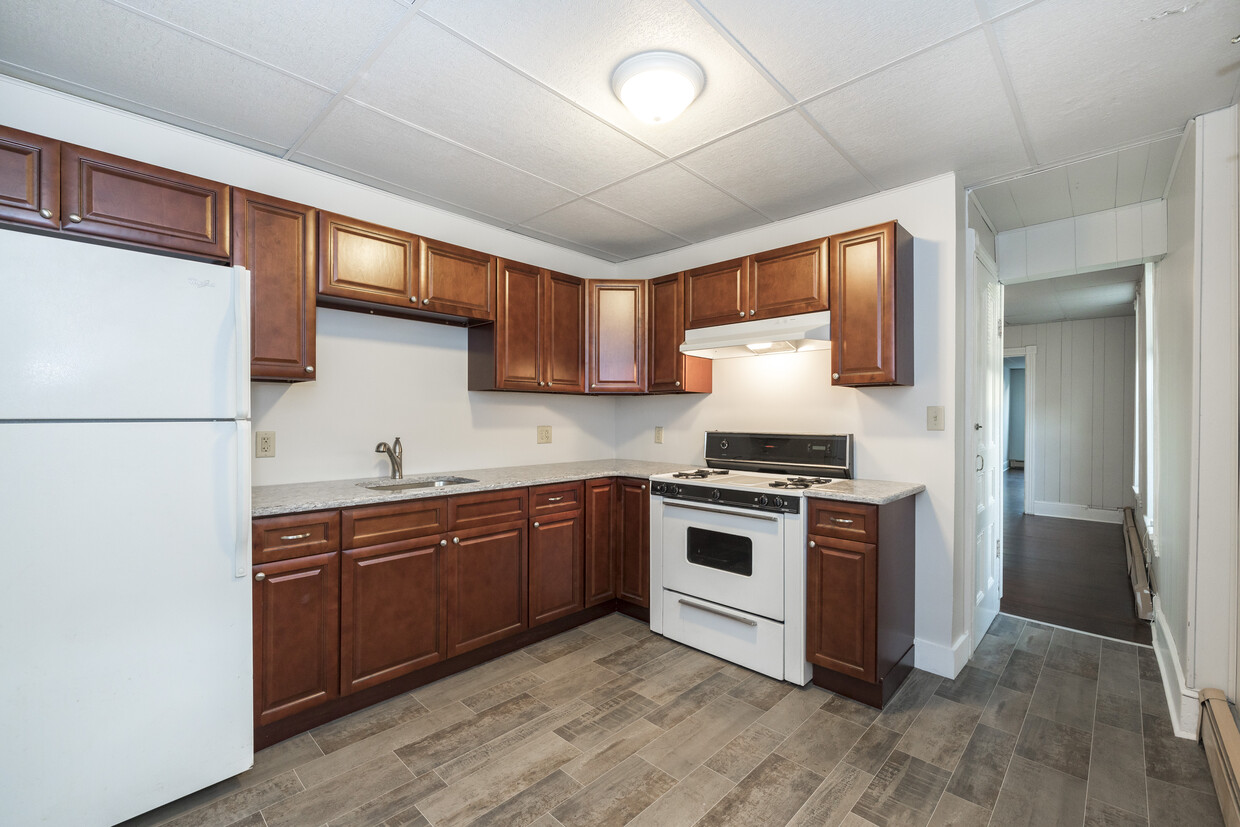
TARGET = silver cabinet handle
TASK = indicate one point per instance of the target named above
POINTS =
(296, 536)
(456, 540)
(594, 384)
(309, 368)
(678, 383)
(413, 299)
(540, 384)
(719, 612)
(751, 312)
(443, 542)
(554, 499)
(75, 218)
(741, 314)
(535, 524)
(643, 488)
(260, 576)
(426, 301)
(812, 544)
(835, 376)
(841, 521)
(45, 212)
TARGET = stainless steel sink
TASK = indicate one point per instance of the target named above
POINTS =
(407, 485)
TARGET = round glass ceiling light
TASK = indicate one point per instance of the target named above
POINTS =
(657, 86)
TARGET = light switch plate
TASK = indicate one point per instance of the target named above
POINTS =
(544, 434)
(658, 434)
(264, 444)
(934, 418)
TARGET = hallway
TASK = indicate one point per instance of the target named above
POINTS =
(1067, 572)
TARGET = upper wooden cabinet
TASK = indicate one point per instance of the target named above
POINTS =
(538, 340)
(275, 241)
(779, 282)
(717, 294)
(456, 280)
(114, 198)
(365, 262)
(29, 179)
(667, 369)
(617, 336)
(872, 306)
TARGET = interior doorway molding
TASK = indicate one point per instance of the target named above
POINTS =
(1030, 352)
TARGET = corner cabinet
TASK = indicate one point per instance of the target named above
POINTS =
(872, 306)
(860, 589)
(668, 370)
(616, 346)
(632, 541)
(600, 556)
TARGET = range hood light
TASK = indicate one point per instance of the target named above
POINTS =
(786, 334)
(763, 348)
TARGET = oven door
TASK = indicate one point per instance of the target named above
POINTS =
(729, 556)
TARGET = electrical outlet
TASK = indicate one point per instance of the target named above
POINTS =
(264, 444)
(934, 418)
(544, 434)
(658, 434)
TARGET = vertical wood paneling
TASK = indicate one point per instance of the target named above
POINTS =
(1100, 441)
(1117, 415)
(1130, 425)
(1050, 420)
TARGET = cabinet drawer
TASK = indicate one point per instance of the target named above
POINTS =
(295, 535)
(373, 525)
(489, 508)
(552, 499)
(847, 521)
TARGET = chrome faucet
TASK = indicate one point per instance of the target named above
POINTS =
(393, 452)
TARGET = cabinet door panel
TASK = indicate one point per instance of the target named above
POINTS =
(717, 294)
(518, 353)
(295, 535)
(390, 621)
(555, 567)
(488, 508)
(789, 280)
(633, 541)
(29, 178)
(872, 306)
(667, 369)
(275, 241)
(366, 262)
(841, 608)
(296, 636)
(127, 201)
(600, 568)
(456, 280)
(563, 331)
(617, 337)
(486, 582)
(372, 525)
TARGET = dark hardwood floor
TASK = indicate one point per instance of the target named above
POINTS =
(1067, 572)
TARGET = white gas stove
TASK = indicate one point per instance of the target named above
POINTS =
(727, 547)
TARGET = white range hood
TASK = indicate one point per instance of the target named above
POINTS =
(786, 334)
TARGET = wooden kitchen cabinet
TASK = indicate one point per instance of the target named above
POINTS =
(365, 262)
(860, 592)
(600, 566)
(556, 552)
(117, 199)
(29, 179)
(632, 541)
(275, 241)
(669, 370)
(485, 578)
(788, 280)
(872, 306)
(391, 612)
(455, 280)
(717, 294)
(296, 635)
(295, 535)
(616, 348)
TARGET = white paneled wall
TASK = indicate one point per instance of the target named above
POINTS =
(1084, 393)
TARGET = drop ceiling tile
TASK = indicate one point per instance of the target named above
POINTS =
(321, 40)
(593, 225)
(1042, 196)
(941, 111)
(430, 78)
(1090, 76)
(781, 167)
(157, 69)
(1158, 168)
(574, 46)
(1130, 174)
(994, 8)
(565, 243)
(679, 203)
(999, 205)
(1091, 184)
(811, 46)
(353, 137)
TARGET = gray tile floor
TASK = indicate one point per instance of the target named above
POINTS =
(611, 725)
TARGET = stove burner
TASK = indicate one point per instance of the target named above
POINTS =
(795, 483)
(698, 474)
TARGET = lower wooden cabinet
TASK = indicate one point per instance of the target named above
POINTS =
(600, 568)
(296, 635)
(485, 579)
(632, 541)
(390, 612)
(842, 589)
(556, 557)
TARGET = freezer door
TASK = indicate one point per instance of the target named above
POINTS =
(125, 633)
(91, 332)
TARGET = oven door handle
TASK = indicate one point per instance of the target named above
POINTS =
(767, 517)
(719, 612)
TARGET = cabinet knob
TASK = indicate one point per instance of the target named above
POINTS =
(45, 212)
(835, 376)
(75, 218)
(643, 488)
(309, 368)
(443, 542)
(456, 540)
(678, 383)
(535, 525)
(260, 576)
(413, 299)
(751, 312)
(741, 314)
(540, 384)
(812, 544)
(426, 301)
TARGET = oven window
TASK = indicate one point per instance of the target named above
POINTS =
(726, 552)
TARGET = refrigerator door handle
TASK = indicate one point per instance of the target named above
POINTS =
(243, 539)
(241, 309)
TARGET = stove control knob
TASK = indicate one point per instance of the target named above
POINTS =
(657, 488)
(674, 490)
(715, 495)
(779, 502)
(763, 500)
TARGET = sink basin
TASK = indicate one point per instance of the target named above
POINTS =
(407, 485)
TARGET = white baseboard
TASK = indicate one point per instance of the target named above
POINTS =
(1078, 512)
(944, 661)
(1182, 702)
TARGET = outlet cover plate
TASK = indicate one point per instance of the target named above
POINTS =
(934, 418)
(658, 434)
(264, 444)
(544, 434)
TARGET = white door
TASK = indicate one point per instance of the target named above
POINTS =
(986, 413)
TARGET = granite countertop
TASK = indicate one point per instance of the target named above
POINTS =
(873, 492)
(269, 500)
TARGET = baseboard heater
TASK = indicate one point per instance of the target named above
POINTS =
(1218, 734)
(1137, 573)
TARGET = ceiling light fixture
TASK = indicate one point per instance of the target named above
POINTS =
(657, 86)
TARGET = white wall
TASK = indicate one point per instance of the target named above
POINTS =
(1083, 418)
(793, 392)
(1015, 436)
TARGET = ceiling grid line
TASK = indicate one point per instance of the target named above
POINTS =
(1009, 89)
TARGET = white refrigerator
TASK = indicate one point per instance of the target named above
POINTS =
(125, 603)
